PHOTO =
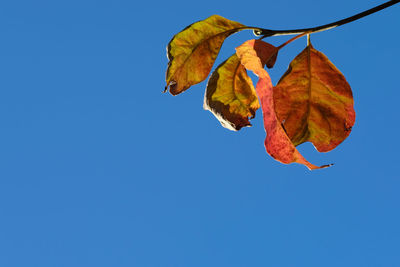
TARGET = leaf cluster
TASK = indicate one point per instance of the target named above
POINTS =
(312, 102)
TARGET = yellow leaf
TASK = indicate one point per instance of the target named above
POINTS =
(230, 95)
(193, 51)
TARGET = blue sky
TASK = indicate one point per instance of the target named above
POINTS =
(99, 168)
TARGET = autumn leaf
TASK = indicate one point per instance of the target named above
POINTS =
(314, 102)
(311, 102)
(192, 52)
(230, 94)
(277, 143)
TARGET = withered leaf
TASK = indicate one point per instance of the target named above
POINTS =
(314, 102)
(192, 52)
(230, 94)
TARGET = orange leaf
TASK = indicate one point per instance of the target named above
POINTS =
(314, 102)
(277, 143)
(192, 52)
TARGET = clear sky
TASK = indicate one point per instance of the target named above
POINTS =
(99, 168)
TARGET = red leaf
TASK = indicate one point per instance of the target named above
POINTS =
(252, 55)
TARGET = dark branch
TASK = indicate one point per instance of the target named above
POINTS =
(267, 32)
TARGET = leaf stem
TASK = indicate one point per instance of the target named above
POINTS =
(292, 39)
(268, 32)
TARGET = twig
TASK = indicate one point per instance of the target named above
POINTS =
(267, 32)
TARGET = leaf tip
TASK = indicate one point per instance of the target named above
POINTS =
(327, 165)
(173, 88)
(320, 167)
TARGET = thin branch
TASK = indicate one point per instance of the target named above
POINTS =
(267, 32)
(292, 39)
